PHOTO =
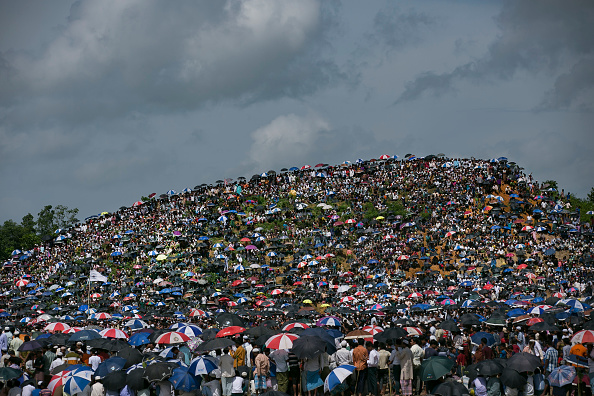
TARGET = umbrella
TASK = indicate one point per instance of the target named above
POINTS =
(112, 364)
(136, 379)
(308, 346)
(159, 371)
(435, 367)
(562, 375)
(77, 380)
(337, 376)
(138, 339)
(202, 365)
(217, 343)
(488, 367)
(182, 380)
(513, 379)
(229, 319)
(115, 380)
(30, 346)
(281, 341)
(523, 362)
(477, 337)
(7, 373)
(84, 335)
(451, 388)
(231, 330)
(172, 337)
(131, 355)
(449, 325)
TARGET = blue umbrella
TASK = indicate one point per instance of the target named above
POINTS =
(84, 335)
(183, 380)
(78, 380)
(139, 339)
(562, 375)
(478, 336)
(112, 364)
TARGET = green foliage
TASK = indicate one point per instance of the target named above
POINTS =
(284, 203)
(49, 218)
(370, 211)
(584, 205)
(26, 235)
(144, 199)
(396, 208)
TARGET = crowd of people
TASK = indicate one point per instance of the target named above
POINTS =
(423, 275)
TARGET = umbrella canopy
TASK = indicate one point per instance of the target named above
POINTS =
(159, 371)
(523, 362)
(513, 379)
(136, 379)
(115, 380)
(182, 380)
(451, 388)
(110, 365)
(202, 365)
(308, 346)
(281, 341)
(77, 380)
(435, 367)
(338, 376)
(562, 375)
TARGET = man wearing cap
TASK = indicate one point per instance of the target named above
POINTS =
(57, 361)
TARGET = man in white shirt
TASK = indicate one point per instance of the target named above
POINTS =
(94, 360)
(372, 365)
(58, 361)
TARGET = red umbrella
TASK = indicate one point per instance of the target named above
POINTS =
(533, 321)
(231, 330)
(172, 337)
(281, 341)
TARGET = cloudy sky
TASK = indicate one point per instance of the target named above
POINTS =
(102, 102)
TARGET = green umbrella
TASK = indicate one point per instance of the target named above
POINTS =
(7, 373)
(435, 367)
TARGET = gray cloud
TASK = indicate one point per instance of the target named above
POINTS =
(544, 37)
(395, 29)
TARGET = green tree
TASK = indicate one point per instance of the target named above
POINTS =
(28, 224)
(10, 238)
(49, 218)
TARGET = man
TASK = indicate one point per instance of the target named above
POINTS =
(239, 355)
(248, 350)
(3, 342)
(15, 344)
(382, 370)
(406, 359)
(396, 368)
(372, 366)
(360, 356)
(343, 355)
(94, 360)
(58, 360)
(281, 359)
(418, 354)
(262, 368)
(550, 358)
(483, 352)
(226, 364)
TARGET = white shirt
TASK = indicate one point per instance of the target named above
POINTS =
(237, 386)
(94, 362)
(373, 358)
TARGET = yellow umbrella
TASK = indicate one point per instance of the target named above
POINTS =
(104, 213)
(325, 305)
(380, 218)
(308, 301)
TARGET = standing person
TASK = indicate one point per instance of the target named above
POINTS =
(313, 370)
(94, 360)
(281, 359)
(372, 366)
(294, 373)
(239, 355)
(226, 364)
(360, 356)
(418, 354)
(262, 367)
(382, 368)
(405, 356)
(551, 357)
(396, 368)
(97, 388)
(3, 342)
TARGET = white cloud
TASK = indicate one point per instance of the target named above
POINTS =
(286, 140)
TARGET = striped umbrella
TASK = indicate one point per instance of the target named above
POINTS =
(113, 333)
(76, 381)
(281, 341)
(582, 337)
(338, 376)
(190, 330)
(373, 329)
(172, 337)
(57, 326)
(202, 365)
(293, 325)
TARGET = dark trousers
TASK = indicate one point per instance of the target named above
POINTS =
(372, 380)
(361, 380)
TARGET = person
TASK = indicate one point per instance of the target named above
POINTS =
(239, 355)
(94, 360)
(480, 386)
(3, 341)
(418, 355)
(395, 368)
(28, 387)
(360, 357)
(494, 386)
(372, 365)
(295, 373)
(15, 343)
(281, 360)
(262, 368)
(226, 364)
(405, 356)
(212, 387)
(312, 368)
(238, 387)
(382, 369)
(550, 358)
(483, 351)
(97, 388)
(57, 361)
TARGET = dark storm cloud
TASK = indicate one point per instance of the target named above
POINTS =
(537, 37)
(111, 58)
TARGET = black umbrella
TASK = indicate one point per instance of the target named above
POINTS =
(260, 331)
(324, 335)
(450, 388)
(30, 346)
(513, 379)
(217, 343)
(308, 346)
(488, 367)
(159, 371)
(229, 319)
(543, 326)
(523, 362)
(210, 334)
(449, 325)
(136, 379)
(115, 380)
(132, 356)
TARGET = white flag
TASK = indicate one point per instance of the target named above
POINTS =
(95, 276)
